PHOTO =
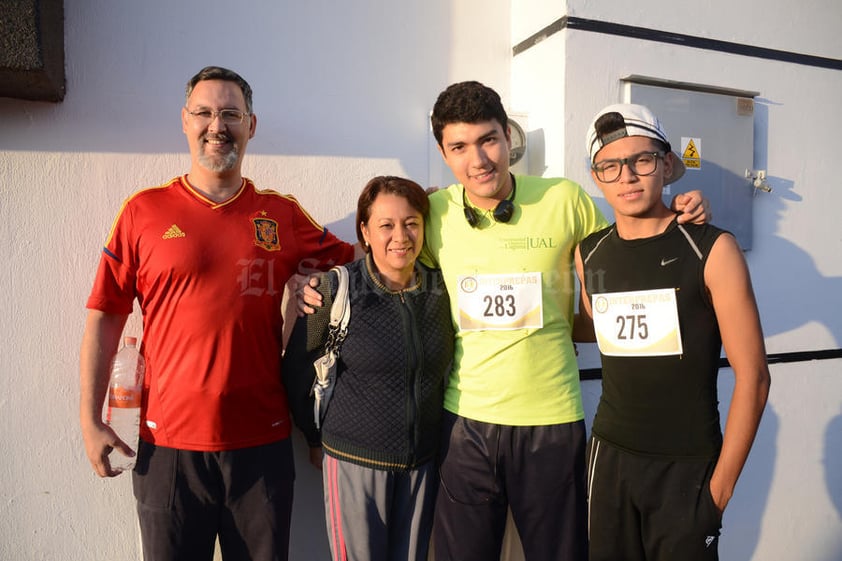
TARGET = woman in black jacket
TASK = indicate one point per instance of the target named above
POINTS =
(380, 431)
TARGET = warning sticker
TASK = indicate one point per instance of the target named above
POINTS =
(691, 152)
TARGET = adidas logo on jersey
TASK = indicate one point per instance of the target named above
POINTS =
(173, 232)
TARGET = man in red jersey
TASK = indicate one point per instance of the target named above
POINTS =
(207, 256)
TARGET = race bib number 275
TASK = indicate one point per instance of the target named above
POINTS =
(638, 323)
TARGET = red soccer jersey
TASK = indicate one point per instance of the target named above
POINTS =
(209, 278)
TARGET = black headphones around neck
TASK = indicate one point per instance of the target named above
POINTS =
(502, 212)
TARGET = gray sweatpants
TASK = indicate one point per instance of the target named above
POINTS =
(377, 515)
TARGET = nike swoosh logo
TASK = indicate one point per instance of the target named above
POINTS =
(665, 262)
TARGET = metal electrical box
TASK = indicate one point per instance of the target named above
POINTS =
(712, 130)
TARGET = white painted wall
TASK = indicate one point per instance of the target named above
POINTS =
(788, 504)
(342, 93)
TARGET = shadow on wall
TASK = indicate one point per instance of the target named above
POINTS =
(815, 298)
(833, 469)
(833, 461)
(346, 228)
(744, 515)
(821, 296)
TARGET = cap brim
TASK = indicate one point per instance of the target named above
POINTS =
(678, 169)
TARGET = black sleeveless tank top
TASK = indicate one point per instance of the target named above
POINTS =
(660, 405)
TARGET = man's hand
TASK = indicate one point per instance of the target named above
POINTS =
(316, 457)
(694, 208)
(720, 495)
(307, 298)
(99, 441)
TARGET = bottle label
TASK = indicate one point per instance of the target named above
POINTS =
(124, 398)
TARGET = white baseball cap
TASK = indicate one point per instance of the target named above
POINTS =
(629, 119)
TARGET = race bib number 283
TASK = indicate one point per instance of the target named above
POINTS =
(508, 301)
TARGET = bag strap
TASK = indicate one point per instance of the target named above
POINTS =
(340, 312)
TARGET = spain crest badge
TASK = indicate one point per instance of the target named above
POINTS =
(266, 233)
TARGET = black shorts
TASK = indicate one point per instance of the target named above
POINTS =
(650, 509)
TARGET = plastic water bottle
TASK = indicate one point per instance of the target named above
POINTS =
(125, 390)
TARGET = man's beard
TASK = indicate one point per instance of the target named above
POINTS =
(220, 163)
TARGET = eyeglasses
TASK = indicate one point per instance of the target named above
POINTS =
(229, 117)
(642, 164)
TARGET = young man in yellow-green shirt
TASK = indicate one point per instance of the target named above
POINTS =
(514, 434)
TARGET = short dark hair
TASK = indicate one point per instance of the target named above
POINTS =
(467, 102)
(613, 124)
(219, 73)
(388, 184)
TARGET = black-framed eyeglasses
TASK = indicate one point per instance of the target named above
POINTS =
(641, 164)
(227, 116)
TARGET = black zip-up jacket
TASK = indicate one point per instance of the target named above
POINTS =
(386, 408)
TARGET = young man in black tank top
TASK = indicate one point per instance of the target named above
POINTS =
(663, 299)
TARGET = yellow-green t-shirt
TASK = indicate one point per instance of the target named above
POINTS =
(517, 376)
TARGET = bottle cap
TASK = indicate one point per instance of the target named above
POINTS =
(130, 341)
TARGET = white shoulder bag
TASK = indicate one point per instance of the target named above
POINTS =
(326, 365)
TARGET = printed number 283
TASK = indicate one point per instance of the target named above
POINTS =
(499, 306)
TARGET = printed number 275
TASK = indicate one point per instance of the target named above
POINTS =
(632, 327)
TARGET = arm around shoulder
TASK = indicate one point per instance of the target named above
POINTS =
(693, 206)
(583, 329)
(306, 343)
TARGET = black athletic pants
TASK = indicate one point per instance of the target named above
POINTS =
(185, 499)
(486, 469)
(649, 509)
